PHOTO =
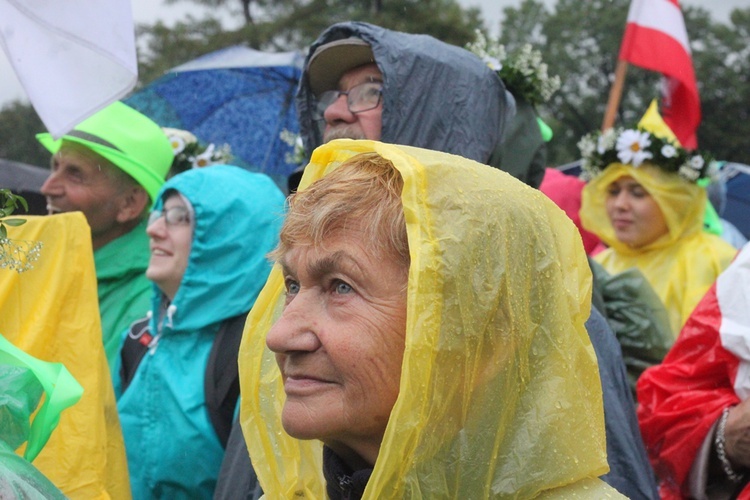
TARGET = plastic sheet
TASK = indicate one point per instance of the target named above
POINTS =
(51, 312)
(23, 380)
(637, 316)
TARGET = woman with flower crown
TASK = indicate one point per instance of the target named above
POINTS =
(643, 202)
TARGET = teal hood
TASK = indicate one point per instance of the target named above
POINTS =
(238, 215)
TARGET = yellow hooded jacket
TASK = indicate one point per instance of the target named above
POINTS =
(682, 264)
(500, 394)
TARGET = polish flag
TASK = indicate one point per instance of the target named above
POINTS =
(656, 39)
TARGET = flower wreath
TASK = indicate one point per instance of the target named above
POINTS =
(189, 153)
(523, 71)
(636, 146)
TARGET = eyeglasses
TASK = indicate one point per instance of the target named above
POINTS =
(362, 97)
(175, 216)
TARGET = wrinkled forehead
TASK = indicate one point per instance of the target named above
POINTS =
(74, 149)
(83, 157)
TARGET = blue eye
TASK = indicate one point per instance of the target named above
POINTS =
(343, 288)
(292, 287)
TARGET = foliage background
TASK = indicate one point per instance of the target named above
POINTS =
(579, 39)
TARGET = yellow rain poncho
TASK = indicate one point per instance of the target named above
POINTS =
(51, 312)
(680, 265)
(500, 393)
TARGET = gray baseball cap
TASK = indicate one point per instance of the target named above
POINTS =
(331, 60)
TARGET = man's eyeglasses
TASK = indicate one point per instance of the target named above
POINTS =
(175, 216)
(362, 97)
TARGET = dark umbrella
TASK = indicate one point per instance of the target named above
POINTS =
(25, 180)
(238, 96)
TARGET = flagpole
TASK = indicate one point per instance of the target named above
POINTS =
(615, 93)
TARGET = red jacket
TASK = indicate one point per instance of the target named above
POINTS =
(681, 399)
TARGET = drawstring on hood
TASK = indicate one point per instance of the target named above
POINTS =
(170, 313)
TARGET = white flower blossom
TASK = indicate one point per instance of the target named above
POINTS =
(178, 139)
(606, 141)
(631, 147)
(177, 143)
(668, 151)
(696, 162)
(493, 63)
(689, 173)
(524, 65)
(586, 146)
(288, 137)
(204, 159)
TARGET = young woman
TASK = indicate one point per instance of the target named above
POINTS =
(210, 231)
(644, 203)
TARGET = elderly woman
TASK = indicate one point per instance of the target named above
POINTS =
(644, 203)
(210, 231)
(412, 348)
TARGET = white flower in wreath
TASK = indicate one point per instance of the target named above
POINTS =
(178, 144)
(687, 172)
(493, 63)
(606, 141)
(586, 146)
(204, 159)
(696, 162)
(631, 147)
(178, 139)
(668, 151)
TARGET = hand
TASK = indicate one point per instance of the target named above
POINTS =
(737, 435)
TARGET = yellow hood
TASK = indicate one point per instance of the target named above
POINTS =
(500, 393)
(681, 202)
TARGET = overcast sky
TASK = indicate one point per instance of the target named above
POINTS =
(150, 10)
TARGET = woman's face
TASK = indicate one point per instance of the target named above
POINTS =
(339, 343)
(171, 239)
(635, 216)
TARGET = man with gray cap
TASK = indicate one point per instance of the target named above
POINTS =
(110, 167)
(366, 82)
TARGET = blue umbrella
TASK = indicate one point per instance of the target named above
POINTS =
(238, 96)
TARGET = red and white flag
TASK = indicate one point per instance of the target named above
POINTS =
(656, 39)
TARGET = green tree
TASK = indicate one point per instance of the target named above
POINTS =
(721, 55)
(580, 42)
(294, 24)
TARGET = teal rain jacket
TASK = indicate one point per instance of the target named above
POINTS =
(172, 448)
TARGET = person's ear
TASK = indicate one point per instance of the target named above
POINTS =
(133, 204)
